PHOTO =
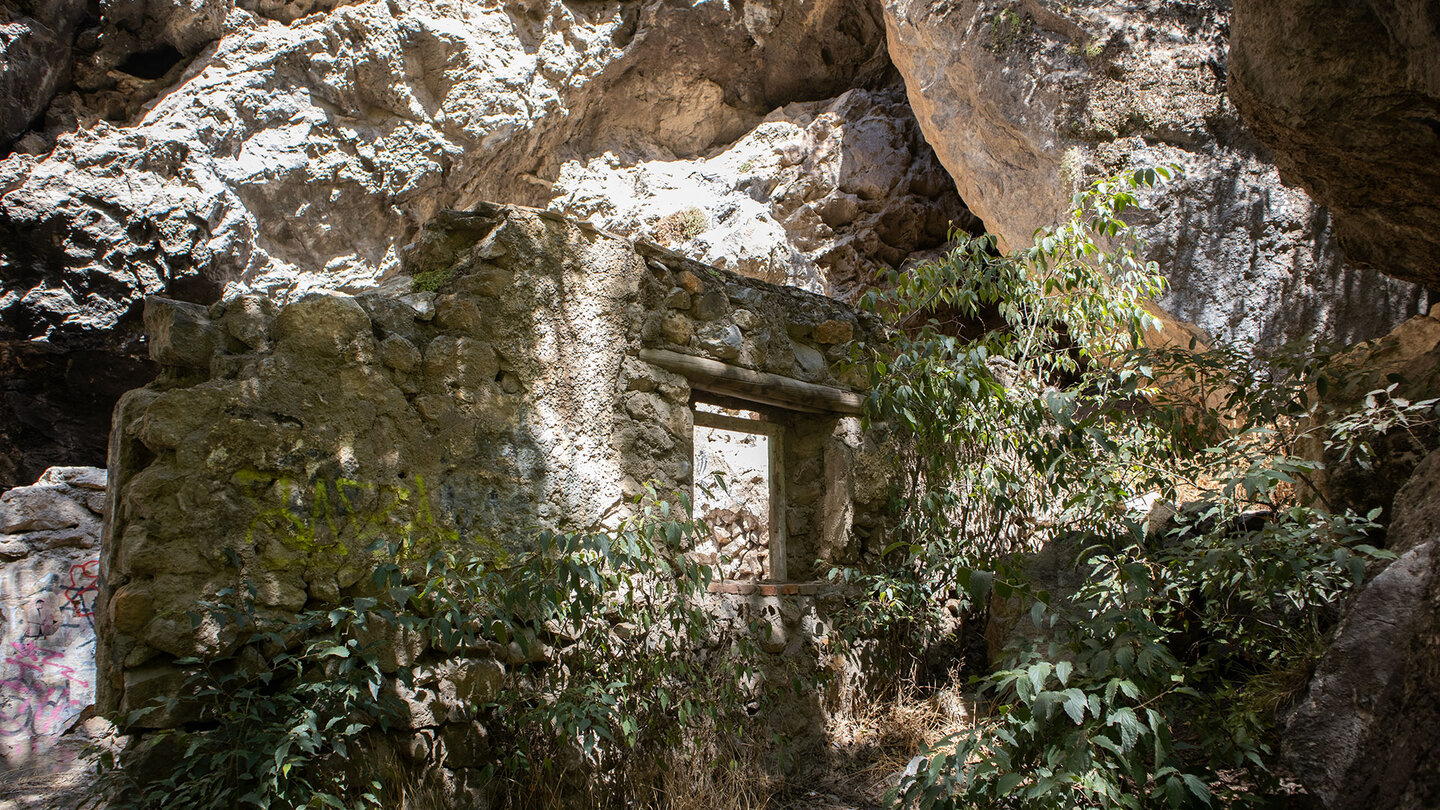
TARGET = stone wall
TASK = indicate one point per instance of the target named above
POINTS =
(49, 542)
(496, 385)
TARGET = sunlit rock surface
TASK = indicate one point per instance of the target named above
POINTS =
(1025, 102)
(290, 156)
(282, 147)
(825, 195)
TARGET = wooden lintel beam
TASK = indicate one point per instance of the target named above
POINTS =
(735, 423)
(755, 386)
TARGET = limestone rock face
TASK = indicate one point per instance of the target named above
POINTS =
(302, 155)
(49, 580)
(1023, 101)
(1347, 96)
(278, 147)
(35, 37)
(825, 195)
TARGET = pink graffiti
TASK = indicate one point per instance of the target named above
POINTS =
(29, 705)
(29, 656)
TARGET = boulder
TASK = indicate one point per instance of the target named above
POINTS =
(1026, 101)
(1347, 97)
(1364, 736)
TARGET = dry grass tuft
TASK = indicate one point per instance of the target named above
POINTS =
(679, 226)
(715, 774)
(876, 735)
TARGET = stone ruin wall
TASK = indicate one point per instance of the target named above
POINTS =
(508, 395)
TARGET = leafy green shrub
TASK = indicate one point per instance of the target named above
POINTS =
(993, 356)
(1033, 414)
(270, 728)
(1154, 680)
(627, 663)
(616, 664)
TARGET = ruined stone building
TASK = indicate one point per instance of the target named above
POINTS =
(260, 219)
(524, 371)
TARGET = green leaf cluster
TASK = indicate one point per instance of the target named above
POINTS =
(1029, 412)
(274, 719)
(614, 662)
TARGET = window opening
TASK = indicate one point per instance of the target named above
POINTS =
(746, 538)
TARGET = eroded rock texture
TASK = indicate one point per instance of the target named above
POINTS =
(278, 147)
(826, 195)
(35, 40)
(1024, 101)
(1365, 735)
(305, 154)
(1347, 95)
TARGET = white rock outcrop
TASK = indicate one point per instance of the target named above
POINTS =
(289, 157)
(303, 155)
(824, 195)
(284, 146)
